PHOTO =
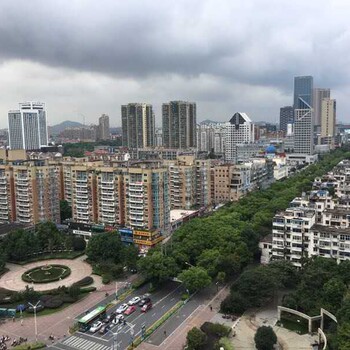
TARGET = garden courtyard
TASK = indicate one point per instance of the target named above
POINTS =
(12, 280)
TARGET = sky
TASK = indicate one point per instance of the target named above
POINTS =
(84, 58)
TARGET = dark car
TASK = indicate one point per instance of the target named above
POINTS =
(109, 318)
(104, 329)
(144, 301)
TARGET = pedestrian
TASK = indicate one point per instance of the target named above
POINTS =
(21, 321)
(13, 319)
(211, 308)
(164, 333)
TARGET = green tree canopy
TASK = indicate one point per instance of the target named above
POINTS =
(265, 338)
(195, 278)
(195, 339)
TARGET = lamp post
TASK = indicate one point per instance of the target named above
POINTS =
(35, 325)
(187, 263)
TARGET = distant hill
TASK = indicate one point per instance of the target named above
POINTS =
(208, 121)
(56, 129)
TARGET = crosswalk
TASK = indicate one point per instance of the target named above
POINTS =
(84, 344)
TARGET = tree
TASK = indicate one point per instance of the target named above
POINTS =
(333, 293)
(256, 285)
(195, 278)
(157, 268)
(105, 247)
(343, 335)
(195, 339)
(65, 210)
(48, 236)
(130, 256)
(265, 338)
(209, 260)
(78, 243)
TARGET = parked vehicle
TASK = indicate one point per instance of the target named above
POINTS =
(134, 300)
(122, 308)
(130, 310)
(95, 327)
(146, 307)
(144, 301)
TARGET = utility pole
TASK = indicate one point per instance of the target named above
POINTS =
(35, 324)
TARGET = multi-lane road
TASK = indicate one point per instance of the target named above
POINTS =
(162, 301)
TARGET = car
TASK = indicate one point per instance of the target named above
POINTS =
(104, 329)
(118, 319)
(109, 317)
(130, 310)
(146, 307)
(134, 300)
(144, 301)
(122, 308)
(95, 327)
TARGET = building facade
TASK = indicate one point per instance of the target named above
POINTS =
(286, 117)
(328, 121)
(179, 124)
(138, 125)
(318, 95)
(239, 130)
(103, 127)
(27, 126)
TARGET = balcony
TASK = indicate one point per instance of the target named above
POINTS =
(136, 206)
(111, 199)
(107, 210)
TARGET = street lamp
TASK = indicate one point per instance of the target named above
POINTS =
(115, 335)
(35, 325)
(187, 263)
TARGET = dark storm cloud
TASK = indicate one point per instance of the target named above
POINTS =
(226, 54)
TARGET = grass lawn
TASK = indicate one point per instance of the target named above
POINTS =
(45, 273)
(293, 325)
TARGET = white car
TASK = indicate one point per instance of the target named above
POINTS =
(134, 300)
(122, 308)
(117, 319)
(95, 327)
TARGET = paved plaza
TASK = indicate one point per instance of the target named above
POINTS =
(12, 280)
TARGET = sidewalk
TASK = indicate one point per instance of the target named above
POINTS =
(177, 340)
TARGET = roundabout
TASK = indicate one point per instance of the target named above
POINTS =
(46, 274)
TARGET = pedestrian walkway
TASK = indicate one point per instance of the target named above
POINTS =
(83, 344)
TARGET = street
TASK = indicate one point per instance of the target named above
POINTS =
(162, 300)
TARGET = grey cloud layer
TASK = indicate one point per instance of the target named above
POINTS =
(230, 44)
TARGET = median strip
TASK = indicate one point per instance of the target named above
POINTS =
(156, 325)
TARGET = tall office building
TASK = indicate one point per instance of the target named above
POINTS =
(286, 117)
(138, 125)
(103, 127)
(303, 115)
(27, 126)
(303, 92)
(318, 96)
(239, 130)
(179, 124)
(328, 120)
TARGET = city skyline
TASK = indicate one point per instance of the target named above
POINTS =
(191, 60)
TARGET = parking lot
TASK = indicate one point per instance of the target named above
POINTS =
(162, 301)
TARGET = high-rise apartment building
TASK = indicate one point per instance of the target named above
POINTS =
(239, 130)
(138, 125)
(103, 127)
(303, 131)
(318, 95)
(27, 126)
(303, 92)
(30, 192)
(179, 124)
(286, 117)
(328, 121)
(303, 115)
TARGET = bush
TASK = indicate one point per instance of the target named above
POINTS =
(79, 244)
(195, 339)
(225, 343)
(54, 302)
(87, 290)
(106, 279)
(265, 338)
(216, 329)
(66, 298)
(84, 281)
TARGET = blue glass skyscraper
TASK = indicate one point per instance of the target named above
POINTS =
(303, 91)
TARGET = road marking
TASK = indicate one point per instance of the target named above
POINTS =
(84, 344)
(172, 299)
(91, 336)
(153, 314)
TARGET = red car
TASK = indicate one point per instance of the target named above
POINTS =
(146, 307)
(130, 310)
